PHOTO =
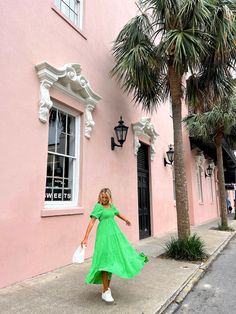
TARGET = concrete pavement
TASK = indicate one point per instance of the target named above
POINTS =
(159, 288)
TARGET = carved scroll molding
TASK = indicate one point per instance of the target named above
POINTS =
(144, 128)
(69, 80)
(200, 159)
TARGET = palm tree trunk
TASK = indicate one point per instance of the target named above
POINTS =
(221, 180)
(183, 224)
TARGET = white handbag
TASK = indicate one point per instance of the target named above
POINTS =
(79, 255)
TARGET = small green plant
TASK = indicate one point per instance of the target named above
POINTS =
(190, 249)
(224, 228)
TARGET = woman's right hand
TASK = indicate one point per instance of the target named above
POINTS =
(84, 242)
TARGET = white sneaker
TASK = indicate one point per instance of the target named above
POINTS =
(106, 296)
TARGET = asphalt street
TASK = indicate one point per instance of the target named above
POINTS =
(216, 291)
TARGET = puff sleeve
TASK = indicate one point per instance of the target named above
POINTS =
(96, 213)
(115, 210)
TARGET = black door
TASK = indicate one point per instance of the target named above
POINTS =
(143, 192)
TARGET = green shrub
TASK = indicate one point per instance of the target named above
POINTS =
(224, 228)
(190, 249)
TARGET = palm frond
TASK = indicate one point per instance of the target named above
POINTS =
(223, 29)
(195, 14)
(221, 117)
(186, 46)
(164, 12)
(207, 88)
(138, 69)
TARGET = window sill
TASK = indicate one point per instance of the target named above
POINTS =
(50, 212)
(65, 18)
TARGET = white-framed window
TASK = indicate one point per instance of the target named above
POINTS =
(199, 183)
(62, 180)
(72, 9)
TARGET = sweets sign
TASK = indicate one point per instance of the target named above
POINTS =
(57, 196)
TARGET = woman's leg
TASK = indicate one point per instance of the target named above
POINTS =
(105, 281)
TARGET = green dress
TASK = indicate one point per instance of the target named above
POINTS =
(112, 252)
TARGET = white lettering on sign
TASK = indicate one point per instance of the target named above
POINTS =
(48, 195)
(58, 196)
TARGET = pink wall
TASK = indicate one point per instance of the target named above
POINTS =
(32, 32)
(207, 209)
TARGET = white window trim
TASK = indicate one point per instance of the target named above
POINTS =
(212, 165)
(199, 160)
(144, 128)
(65, 16)
(81, 14)
(76, 174)
(199, 184)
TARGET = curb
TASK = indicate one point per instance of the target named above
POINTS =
(172, 304)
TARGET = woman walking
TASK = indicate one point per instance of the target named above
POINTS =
(113, 254)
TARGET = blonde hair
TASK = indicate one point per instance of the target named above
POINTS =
(108, 194)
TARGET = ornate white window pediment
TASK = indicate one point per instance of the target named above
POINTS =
(69, 80)
(144, 128)
(200, 159)
(212, 165)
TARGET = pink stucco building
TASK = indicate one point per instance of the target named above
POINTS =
(58, 112)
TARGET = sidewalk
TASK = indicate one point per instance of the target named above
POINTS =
(158, 288)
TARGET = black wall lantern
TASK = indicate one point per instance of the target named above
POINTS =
(209, 171)
(170, 155)
(121, 132)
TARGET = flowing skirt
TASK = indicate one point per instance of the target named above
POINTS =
(113, 254)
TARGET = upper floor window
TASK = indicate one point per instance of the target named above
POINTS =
(63, 159)
(199, 183)
(72, 9)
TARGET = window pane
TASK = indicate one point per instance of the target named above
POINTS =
(52, 130)
(67, 196)
(59, 165)
(65, 9)
(71, 125)
(62, 120)
(57, 3)
(72, 16)
(70, 145)
(58, 183)
(48, 195)
(73, 4)
(61, 128)
(61, 146)
(49, 182)
(57, 194)
(67, 167)
(50, 165)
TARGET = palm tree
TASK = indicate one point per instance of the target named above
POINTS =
(153, 53)
(214, 125)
